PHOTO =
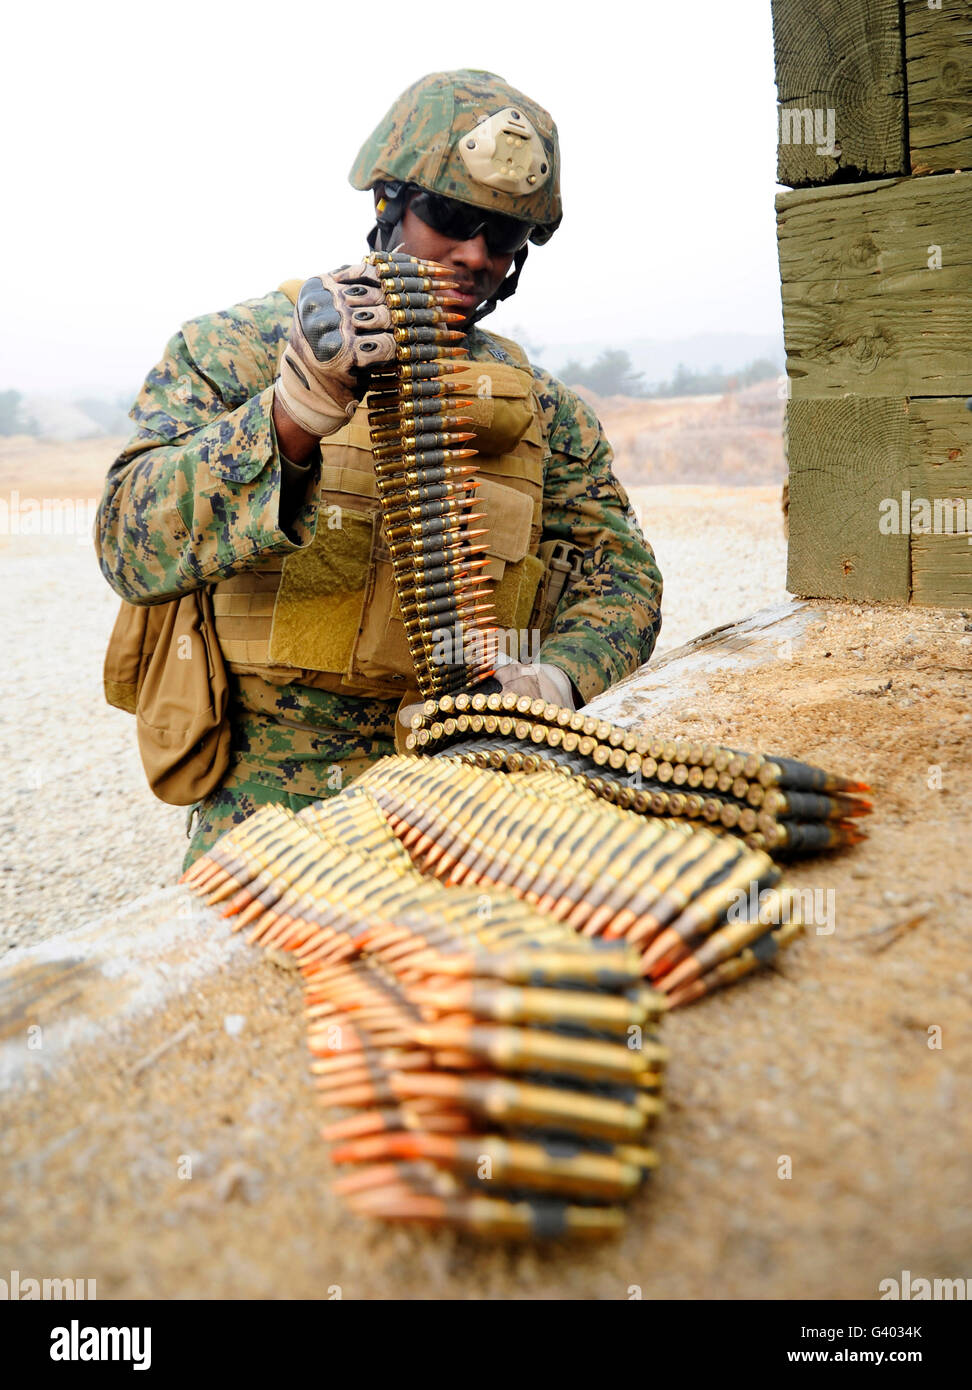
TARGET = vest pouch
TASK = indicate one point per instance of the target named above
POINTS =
(382, 650)
(181, 711)
(323, 591)
(516, 574)
(501, 406)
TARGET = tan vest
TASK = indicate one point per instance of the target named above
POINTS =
(329, 615)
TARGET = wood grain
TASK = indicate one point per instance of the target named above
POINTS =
(843, 55)
(941, 468)
(845, 457)
(862, 310)
(938, 69)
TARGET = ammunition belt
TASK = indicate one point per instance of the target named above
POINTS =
(425, 482)
(779, 805)
(474, 945)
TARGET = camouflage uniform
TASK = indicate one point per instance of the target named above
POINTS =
(194, 497)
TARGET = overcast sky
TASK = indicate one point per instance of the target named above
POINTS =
(166, 160)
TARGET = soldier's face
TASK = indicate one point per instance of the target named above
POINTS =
(479, 272)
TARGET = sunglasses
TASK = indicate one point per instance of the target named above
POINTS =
(461, 222)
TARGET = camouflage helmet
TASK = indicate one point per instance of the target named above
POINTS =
(469, 135)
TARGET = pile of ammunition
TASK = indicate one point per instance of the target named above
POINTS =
(426, 486)
(480, 1051)
(671, 890)
(775, 804)
(474, 946)
(475, 928)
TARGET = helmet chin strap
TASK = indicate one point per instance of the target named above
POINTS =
(392, 198)
(507, 288)
(385, 237)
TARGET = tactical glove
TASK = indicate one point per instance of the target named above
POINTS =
(340, 329)
(539, 680)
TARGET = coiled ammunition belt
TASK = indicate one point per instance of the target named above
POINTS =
(475, 929)
(475, 943)
(778, 805)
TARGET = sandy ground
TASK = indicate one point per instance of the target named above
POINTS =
(736, 437)
(830, 1061)
(721, 552)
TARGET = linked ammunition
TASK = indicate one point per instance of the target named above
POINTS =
(474, 940)
(425, 487)
(760, 953)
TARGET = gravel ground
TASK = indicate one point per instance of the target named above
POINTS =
(81, 833)
(721, 552)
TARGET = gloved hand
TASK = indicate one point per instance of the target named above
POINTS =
(539, 680)
(340, 329)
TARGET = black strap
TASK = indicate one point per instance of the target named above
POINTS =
(507, 288)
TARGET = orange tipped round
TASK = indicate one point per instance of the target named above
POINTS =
(195, 870)
(683, 973)
(687, 994)
(665, 943)
(251, 913)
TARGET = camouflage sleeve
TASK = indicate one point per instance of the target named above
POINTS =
(609, 617)
(195, 494)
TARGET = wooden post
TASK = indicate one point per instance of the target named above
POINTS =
(876, 281)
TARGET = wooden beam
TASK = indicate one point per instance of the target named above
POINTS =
(845, 457)
(941, 474)
(863, 311)
(843, 56)
(941, 446)
(938, 68)
(941, 570)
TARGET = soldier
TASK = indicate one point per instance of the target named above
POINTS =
(250, 472)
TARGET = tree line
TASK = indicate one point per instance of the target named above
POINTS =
(610, 374)
(108, 414)
(12, 417)
(613, 374)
